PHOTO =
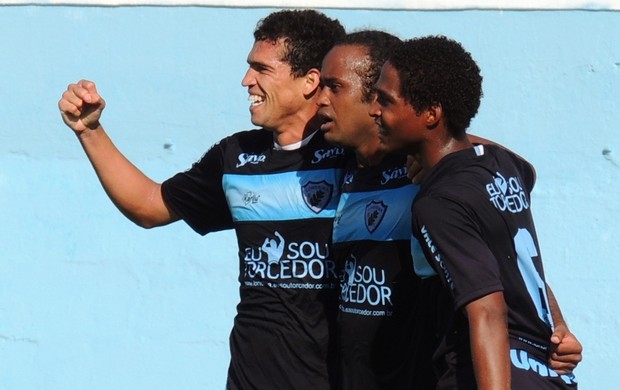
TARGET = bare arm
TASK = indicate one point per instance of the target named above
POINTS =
(134, 194)
(566, 350)
(488, 331)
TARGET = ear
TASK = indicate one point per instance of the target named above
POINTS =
(433, 115)
(312, 80)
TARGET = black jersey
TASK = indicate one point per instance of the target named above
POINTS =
(473, 219)
(379, 335)
(281, 205)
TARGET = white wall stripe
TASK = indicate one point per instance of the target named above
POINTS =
(343, 4)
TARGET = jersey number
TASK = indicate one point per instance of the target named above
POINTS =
(526, 251)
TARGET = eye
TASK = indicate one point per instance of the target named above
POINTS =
(258, 67)
(332, 85)
(382, 100)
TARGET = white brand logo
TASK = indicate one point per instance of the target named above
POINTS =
(507, 194)
(245, 158)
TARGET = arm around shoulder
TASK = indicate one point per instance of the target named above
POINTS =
(566, 350)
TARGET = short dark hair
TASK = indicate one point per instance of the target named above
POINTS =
(380, 45)
(438, 70)
(308, 36)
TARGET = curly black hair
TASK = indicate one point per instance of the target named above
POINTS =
(379, 45)
(308, 36)
(438, 70)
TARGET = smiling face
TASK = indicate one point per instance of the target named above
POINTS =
(342, 100)
(276, 97)
(401, 127)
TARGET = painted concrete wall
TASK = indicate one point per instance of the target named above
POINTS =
(90, 301)
(351, 4)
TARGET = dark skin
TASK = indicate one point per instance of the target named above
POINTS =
(565, 349)
(424, 134)
(347, 123)
(488, 333)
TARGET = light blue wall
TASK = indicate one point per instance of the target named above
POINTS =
(89, 301)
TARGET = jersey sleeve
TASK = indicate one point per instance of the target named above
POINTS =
(197, 195)
(528, 173)
(452, 243)
(526, 170)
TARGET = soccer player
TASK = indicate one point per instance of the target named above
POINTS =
(277, 186)
(385, 327)
(473, 220)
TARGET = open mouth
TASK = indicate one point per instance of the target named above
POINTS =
(256, 100)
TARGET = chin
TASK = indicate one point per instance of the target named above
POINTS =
(331, 139)
(385, 148)
(254, 119)
(388, 147)
(257, 121)
(383, 142)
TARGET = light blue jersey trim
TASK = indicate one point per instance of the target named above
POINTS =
(283, 196)
(392, 219)
(421, 266)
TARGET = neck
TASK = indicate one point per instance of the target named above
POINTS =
(368, 156)
(433, 150)
(298, 126)
(288, 135)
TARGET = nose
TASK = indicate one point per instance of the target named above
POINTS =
(323, 99)
(248, 79)
(374, 109)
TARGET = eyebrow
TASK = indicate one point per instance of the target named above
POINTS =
(329, 79)
(382, 94)
(378, 91)
(259, 64)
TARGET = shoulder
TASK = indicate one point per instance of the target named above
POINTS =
(249, 139)
(507, 158)
(435, 202)
(503, 153)
(321, 153)
(242, 142)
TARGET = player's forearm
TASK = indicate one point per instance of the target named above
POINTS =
(489, 342)
(565, 351)
(134, 194)
(556, 313)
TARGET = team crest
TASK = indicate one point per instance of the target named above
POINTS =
(375, 211)
(348, 178)
(317, 194)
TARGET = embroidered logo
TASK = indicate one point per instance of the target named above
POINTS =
(250, 197)
(375, 211)
(317, 195)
